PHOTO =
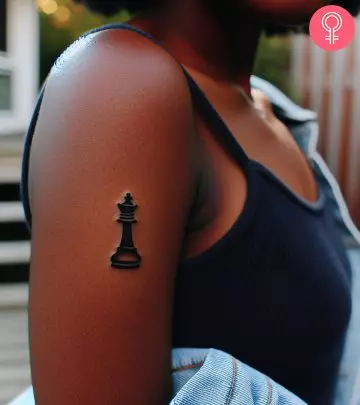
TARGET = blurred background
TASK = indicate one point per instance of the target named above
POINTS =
(34, 33)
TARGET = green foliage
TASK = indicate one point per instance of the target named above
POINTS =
(56, 36)
(273, 62)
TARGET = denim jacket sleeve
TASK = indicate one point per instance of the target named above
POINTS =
(304, 127)
(202, 377)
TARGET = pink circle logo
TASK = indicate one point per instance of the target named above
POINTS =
(332, 28)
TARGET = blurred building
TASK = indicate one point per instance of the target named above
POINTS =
(19, 70)
(19, 49)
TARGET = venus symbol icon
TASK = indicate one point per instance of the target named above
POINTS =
(332, 23)
(332, 28)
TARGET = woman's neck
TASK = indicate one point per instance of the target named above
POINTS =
(221, 44)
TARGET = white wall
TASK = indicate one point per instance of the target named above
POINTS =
(22, 59)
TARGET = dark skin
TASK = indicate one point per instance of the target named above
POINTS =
(100, 335)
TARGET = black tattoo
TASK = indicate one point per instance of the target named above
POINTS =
(126, 255)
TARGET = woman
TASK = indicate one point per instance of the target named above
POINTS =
(233, 247)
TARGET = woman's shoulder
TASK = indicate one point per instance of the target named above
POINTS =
(119, 75)
(121, 90)
(110, 54)
(118, 101)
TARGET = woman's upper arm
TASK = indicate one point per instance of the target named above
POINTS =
(108, 125)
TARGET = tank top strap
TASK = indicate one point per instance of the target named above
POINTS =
(24, 188)
(213, 120)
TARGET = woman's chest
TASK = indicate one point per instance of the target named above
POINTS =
(283, 276)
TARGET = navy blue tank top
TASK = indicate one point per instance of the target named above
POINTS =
(275, 290)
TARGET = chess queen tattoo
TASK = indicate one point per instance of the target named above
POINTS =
(126, 255)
